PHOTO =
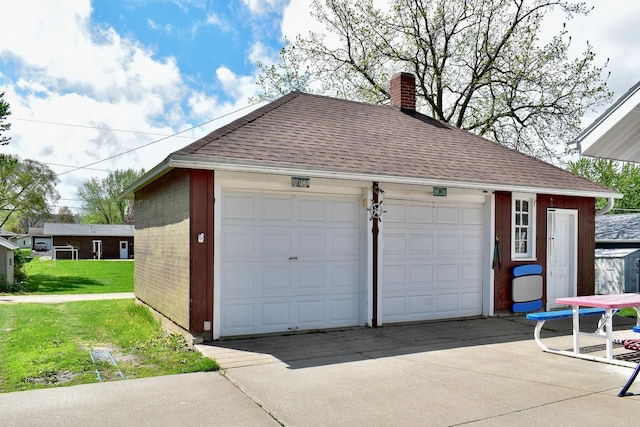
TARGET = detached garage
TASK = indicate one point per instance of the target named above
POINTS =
(313, 212)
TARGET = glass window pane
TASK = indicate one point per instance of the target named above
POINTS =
(525, 219)
(525, 206)
(517, 205)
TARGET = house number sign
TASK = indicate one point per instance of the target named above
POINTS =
(297, 181)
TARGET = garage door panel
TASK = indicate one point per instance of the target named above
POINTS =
(312, 210)
(447, 215)
(394, 243)
(471, 301)
(472, 244)
(239, 279)
(275, 278)
(341, 311)
(311, 278)
(420, 276)
(239, 243)
(274, 244)
(344, 278)
(311, 313)
(237, 317)
(238, 206)
(344, 244)
(421, 244)
(345, 213)
(275, 314)
(276, 208)
(419, 305)
(447, 244)
(447, 275)
(472, 216)
(446, 303)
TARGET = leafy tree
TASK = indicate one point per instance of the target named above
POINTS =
(620, 176)
(101, 201)
(26, 186)
(65, 215)
(479, 65)
(4, 112)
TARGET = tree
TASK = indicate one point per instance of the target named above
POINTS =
(620, 176)
(479, 65)
(4, 112)
(101, 201)
(65, 215)
(26, 186)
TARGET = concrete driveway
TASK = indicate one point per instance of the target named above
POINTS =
(472, 372)
(468, 372)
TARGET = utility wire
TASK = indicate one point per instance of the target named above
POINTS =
(93, 127)
(154, 142)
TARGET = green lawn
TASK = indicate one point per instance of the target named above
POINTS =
(87, 277)
(46, 345)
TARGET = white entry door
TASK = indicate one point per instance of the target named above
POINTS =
(562, 250)
(124, 249)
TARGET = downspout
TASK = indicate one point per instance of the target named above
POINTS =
(607, 208)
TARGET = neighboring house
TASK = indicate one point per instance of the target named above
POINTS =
(103, 241)
(617, 253)
(618, 231)
(6, 259)
(313, 212)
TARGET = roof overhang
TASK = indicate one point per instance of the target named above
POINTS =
(616, 133)
(193, 162)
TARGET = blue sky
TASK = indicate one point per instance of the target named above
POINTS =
(88, 80)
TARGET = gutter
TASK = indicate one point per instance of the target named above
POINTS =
(189, 162)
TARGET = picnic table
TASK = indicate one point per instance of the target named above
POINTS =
(611, 304)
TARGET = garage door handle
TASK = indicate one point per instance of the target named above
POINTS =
(293, 258)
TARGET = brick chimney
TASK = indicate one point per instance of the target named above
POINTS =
(403, 91)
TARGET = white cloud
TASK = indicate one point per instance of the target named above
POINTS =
(238, 87)
(260, 7)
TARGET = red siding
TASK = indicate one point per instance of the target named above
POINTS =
(586, 243)
(201, 262)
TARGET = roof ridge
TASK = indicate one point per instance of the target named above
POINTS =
(238, 123)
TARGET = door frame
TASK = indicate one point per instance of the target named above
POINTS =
(573, 213)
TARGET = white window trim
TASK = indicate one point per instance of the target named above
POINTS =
(531, 198)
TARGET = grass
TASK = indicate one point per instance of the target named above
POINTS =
(46, 345)
(87, 277)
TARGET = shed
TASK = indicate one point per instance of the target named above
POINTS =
(617, 270)
(6, 259)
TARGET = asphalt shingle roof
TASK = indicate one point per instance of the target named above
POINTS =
(618, 227)
(327, 134)
(114, 230)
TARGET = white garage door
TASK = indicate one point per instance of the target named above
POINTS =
(433, 258)
(289, 263)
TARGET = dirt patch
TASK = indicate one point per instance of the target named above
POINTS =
(49, 378)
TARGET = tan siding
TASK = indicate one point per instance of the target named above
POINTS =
(162, 246)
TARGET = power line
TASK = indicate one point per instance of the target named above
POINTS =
(94, 127)
(156, 141)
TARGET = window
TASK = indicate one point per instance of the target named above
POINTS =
(523, 223)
